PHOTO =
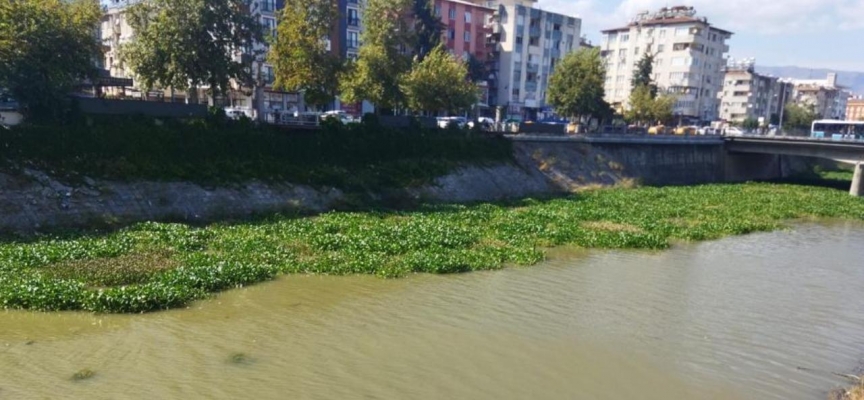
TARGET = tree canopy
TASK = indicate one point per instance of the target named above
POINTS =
(46, 47)
(799, 117)
(439, 82)
(576, 85)
(184, 44)
(644, 108)
(642, 74)
(299, 54)
(427, 28)
(383, 58)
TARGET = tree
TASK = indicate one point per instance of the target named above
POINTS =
(476, 69)
(382, 59)
(427, 28)
(799, 117)
(646, 109)
(299, 55)
(750, 123)
(183, 44)
(439, 82)
(576, 85)
(642, 74)
(46, 47)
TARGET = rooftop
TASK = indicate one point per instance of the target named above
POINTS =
(667, 16)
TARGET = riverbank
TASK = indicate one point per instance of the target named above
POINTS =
(153, 266)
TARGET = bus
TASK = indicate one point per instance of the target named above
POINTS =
(837, 129)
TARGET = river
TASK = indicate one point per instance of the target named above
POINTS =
(736, 318)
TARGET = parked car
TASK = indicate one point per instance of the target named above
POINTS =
(238, 112)
(483, 122)
(733, 131)
(657, 130)
(445, 122)
(342, 116)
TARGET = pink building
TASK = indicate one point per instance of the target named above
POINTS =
(464, 26)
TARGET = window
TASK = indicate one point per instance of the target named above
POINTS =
(622, 53)
(661, 47)
(438, 10)
(625, 38)
(682, 31)
(467, 36)
(520, 20)
(353, 40)
(636, 51)
(451, 34)
(658, 62)
(353, 17)
(516, 93)
(517, 58)
(467, 17)
(662, 33)
(619, 78)
(269, 25)
(517, 75)
(519, 41)
(452, 13)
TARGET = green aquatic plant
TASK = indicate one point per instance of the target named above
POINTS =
(83, 374)
(154, 266)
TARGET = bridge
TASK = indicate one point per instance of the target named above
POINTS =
(744, 154)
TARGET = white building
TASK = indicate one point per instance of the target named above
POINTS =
(530, 43)
(689, 59)
(115, 31)
(827, 98)
(749, 95)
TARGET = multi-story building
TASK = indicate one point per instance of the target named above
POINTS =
(689, 59)
(749, 95)
(529, 43)
(115, 31)
(466, 30)
(825, 96)
(855, 109)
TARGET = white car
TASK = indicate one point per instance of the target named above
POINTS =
(444, 122)
(238, 112)
(733, 131)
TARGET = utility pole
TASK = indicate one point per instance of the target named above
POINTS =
(782, 106)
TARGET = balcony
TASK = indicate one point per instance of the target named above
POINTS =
(533, 68)
(354, 21)
(556, 35)
(267, 6)
(534, 31)
(353, 44)
(530, 87)
(555, 53)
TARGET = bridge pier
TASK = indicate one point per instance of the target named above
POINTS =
(858, 181)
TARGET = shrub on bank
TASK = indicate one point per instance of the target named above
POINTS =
(153, 266)
(217, 151)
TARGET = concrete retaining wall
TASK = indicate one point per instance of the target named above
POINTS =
(33, 201)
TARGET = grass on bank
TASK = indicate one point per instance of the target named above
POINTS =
(152, 266)
(215, 151)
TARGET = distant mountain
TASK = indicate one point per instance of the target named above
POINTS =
(854, 81)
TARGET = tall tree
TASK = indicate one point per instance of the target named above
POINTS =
(427, 28)
(183, 44)
(477, 69)
(46, 47)
(642, 74)
(439, 83)
(299, 54)
(383, 58)
(576, 85)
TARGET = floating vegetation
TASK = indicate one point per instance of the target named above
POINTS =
(155, 266)
(83, 374)
(240, 358)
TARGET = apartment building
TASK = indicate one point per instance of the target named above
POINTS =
(115, 31)
(855, 109)
(689, 59)
(529, 43)
(749, 95)
(827, 98)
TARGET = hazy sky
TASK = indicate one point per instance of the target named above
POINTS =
(805, 33)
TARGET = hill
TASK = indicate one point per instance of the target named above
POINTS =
(854, 81)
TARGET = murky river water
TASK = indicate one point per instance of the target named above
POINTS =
(730, 319)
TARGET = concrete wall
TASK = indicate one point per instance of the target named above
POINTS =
(33, 201)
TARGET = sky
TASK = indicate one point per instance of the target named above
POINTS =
(803, 33)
